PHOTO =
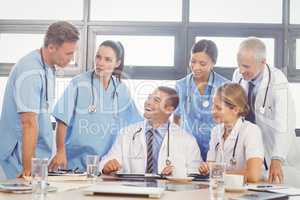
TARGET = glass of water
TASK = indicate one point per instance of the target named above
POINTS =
(216, 180)
(92, 166)
(39, 175)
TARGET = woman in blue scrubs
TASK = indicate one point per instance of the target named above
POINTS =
(196, 91)
(93, 108)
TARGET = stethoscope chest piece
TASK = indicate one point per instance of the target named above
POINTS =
(92, 108)
(262, 110)
(205, 103)
(233, 161)
(168, 162)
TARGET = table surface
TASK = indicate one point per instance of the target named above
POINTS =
(74, 190)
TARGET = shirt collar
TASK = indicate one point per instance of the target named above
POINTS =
(235, 131)
(258, 79)
(210, 81)
(161, 130)
(48, 67)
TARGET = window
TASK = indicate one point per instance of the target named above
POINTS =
(3, 81)
(298, 54)
(294, 12)
(254, 11)
(136, 10)
(15, 46)
(42, 10)
(228, 47)
(60, 85)
(296, 95)
(144, 50)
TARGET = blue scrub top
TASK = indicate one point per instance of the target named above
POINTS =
(25, 92)
(93, 133)
(196, 118)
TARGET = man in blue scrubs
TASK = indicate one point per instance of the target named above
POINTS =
(25, 124)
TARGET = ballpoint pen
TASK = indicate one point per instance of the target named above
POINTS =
(264, 186)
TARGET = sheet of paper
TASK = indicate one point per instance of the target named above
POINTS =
(66, 186)
(289, 191)
(67, 178)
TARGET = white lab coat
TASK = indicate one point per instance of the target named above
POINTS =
(278, 121)
(249, 144)
(131, 151)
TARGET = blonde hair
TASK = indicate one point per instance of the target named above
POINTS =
(233, 95)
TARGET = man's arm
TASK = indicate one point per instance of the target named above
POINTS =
(282, 130)
(60, 159)
(30, 135)
(113, 160)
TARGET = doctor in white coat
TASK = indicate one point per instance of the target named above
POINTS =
(271, 107)
(156, 145)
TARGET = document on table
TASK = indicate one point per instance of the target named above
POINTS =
(288, 191)
(281, 189)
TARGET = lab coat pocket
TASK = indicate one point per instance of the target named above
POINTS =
(136, 159)
(136, 165)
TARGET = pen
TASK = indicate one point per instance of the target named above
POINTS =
(264, 186)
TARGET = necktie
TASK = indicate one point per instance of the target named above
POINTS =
(251, 102)
(150, 160)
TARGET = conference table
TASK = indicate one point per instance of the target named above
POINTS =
(74, 190)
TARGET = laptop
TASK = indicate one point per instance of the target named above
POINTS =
(124, 189)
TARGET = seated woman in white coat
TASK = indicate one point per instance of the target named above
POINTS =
(156, 145)
(235, 141)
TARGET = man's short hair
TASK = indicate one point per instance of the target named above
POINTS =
(257, 46)
(173, 99)
(60, 32)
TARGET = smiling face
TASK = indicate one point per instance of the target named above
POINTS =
(222, 112)
(248, 66)
(201, 65)
(156, 106)
(105, 61)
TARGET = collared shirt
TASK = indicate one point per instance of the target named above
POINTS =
(249, 144)
(159, 135)
(256, 82)
(196, 118)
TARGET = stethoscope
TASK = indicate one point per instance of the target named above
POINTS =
(232, 160)
(168, 161)
(262, 108)
(205, 103)
(46, 78)
(92, 107)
